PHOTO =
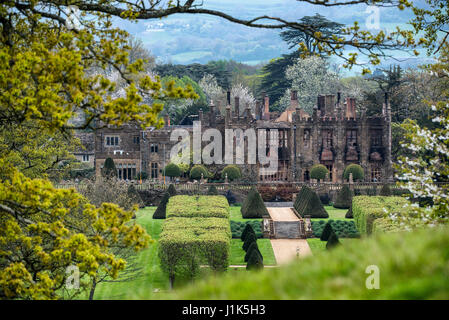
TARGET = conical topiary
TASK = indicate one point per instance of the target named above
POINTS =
(160, 212)
(250, 238)
(308, 203)
(230, 197)
(212, 191)
(109, 170)
(171, 190)
(348, 214)
(247, 230)
(344, 198)
(253, 206)
(251, 248)
(254, 261)
(385, 191)
(327, 230)
(333, 241)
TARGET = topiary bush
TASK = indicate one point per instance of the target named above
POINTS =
(308, 203)
(318, 172)
(212, 191)
(109, 170)
(253, 247)
(233, 172)
(333, 241)
(250, 238)
(197, 170)
(325, 199)
(348, 214)
(385, 191)
(161, 211)
(344, 198)
(253, 206)
(326, 231)
(357, 172)
(343, 228)
(247, 230)
(172, 170)
(171, 190)
(254, 261)
(230, 197)
(237, 228)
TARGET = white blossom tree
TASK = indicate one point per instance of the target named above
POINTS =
(310, 77)
(245, 96)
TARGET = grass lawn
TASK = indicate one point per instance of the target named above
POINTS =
(150, 282)
(336, 214)
(236, 215)
(238, 254)
(317, 246)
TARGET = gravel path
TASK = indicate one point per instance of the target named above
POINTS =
(282, 214)
(285, 250)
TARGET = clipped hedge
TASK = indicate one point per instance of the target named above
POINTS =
(198, 206)
(237, 228)
(366, 209)
(343, 228)
(308, 203)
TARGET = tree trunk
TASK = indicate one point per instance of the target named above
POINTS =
(92, 290)
(172, 281)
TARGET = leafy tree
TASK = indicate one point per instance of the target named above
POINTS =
(319, 172)
(232, 171)
(357, 172)
(109, 170)
(172, 170)
(198, 170)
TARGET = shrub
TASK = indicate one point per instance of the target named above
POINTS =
(197, 170)
(344, 198)
(348, 214)
(385, 191)
(233, 172)
(254, 261)
(253, 206)
(318, 172)
(171, 190)
(172, 170)
(253, 247)
(237, 228)
(248, 229)
(250, 238)
(161, 210)
(343, 228)
(267, 192)
(212, 191)
(141, 175)
(308, 203)
(333, 241)
(326, 231)
(230, 197)
(366, 209)
(198, 206)
(357, 172)
(109, 170)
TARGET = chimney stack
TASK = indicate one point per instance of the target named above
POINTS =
(228, 116)
(212, 114)
(228, 98)
(293, 99)
(237, 107)
(166, 120)
(350, 108)
(200, 115)
(249, 115)
(266, 112)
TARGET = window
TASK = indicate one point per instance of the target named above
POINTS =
(351, 138)
(154, 170)
(85, 158)
(327, 139)
(376, 138)
(136, 139)
(376, 172)
(306, 138)
(154, 148)
(112, 141)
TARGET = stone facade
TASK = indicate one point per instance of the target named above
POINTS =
(335, 135)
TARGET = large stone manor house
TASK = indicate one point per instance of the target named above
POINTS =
(334, 135)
